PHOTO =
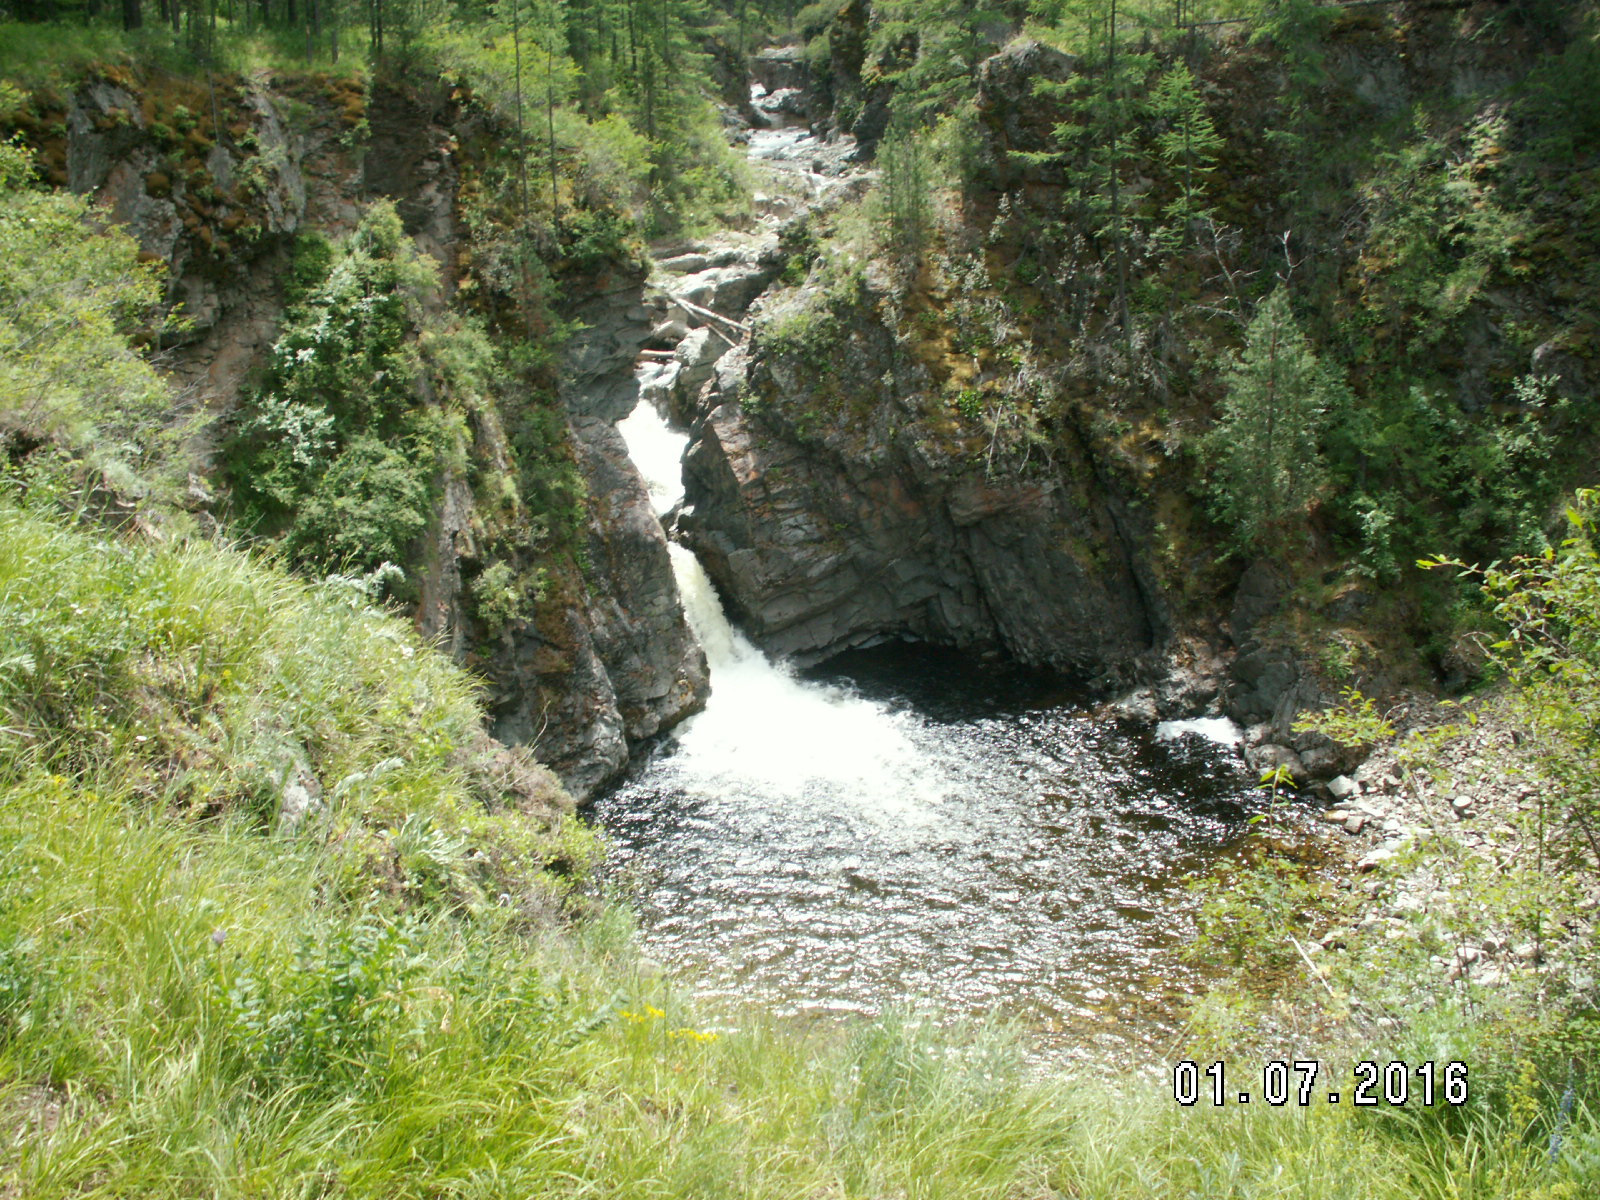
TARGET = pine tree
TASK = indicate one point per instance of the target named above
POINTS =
(905, 194)
(950, 41)
(1189, 145)
(1265, 464)
(1106, 107)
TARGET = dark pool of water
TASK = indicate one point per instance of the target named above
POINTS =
(987, 845)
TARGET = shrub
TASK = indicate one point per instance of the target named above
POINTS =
(367, 508)
(1548, 609)
(71, 298)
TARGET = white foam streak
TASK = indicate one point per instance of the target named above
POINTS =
(1214, 729)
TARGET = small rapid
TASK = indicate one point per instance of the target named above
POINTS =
(903, 826)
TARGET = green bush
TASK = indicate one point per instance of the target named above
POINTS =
(1547, 608)
(367, 508)
(70, 297)
(337, 450)
(1253, 913)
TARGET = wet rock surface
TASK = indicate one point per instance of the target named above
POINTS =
(833, 533)
(930, 554)
(588, 681)
(656, 667)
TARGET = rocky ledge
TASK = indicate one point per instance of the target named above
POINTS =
(1426, 818)
(833, 506)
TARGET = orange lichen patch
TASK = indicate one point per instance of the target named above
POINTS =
(117, 73)
(41, 122)
(350, 97)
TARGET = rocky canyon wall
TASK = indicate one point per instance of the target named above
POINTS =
(219, 194)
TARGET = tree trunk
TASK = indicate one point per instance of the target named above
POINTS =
(550, 129)
(132, 14)
(522, 141)
(1117, 232)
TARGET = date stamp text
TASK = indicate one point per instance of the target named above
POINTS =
(1281, 1082)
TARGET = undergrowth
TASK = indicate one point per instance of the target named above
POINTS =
(202, 997)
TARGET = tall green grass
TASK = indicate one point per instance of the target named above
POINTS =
(196, 1000)
(200, 681)
(57, 55)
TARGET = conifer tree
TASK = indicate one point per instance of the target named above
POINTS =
(1265, 463)
(949, 36)
(905, 194)
(1107, 102)
(1189, 145)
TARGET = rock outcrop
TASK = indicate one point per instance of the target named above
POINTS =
(608, 661)
(588, 681)
(833, 511)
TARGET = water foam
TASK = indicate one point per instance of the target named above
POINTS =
(1214, 729)
(763, 731)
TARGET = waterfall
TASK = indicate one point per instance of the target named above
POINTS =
(765, 732)
(654, 447)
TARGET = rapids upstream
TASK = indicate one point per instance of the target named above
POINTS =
(903, 827)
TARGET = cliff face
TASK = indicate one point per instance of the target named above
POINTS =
(617, 664)
(992, 438)
(995, 437)
(834, 504)
(603, 658)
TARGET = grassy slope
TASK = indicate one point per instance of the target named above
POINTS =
(194, 1003)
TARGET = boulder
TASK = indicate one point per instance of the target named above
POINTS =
(1342, 787)
(1269, 756)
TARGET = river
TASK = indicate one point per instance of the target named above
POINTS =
(906, 826)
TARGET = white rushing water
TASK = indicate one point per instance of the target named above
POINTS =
(763, 731)
(655, 449)
(1218, 730)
